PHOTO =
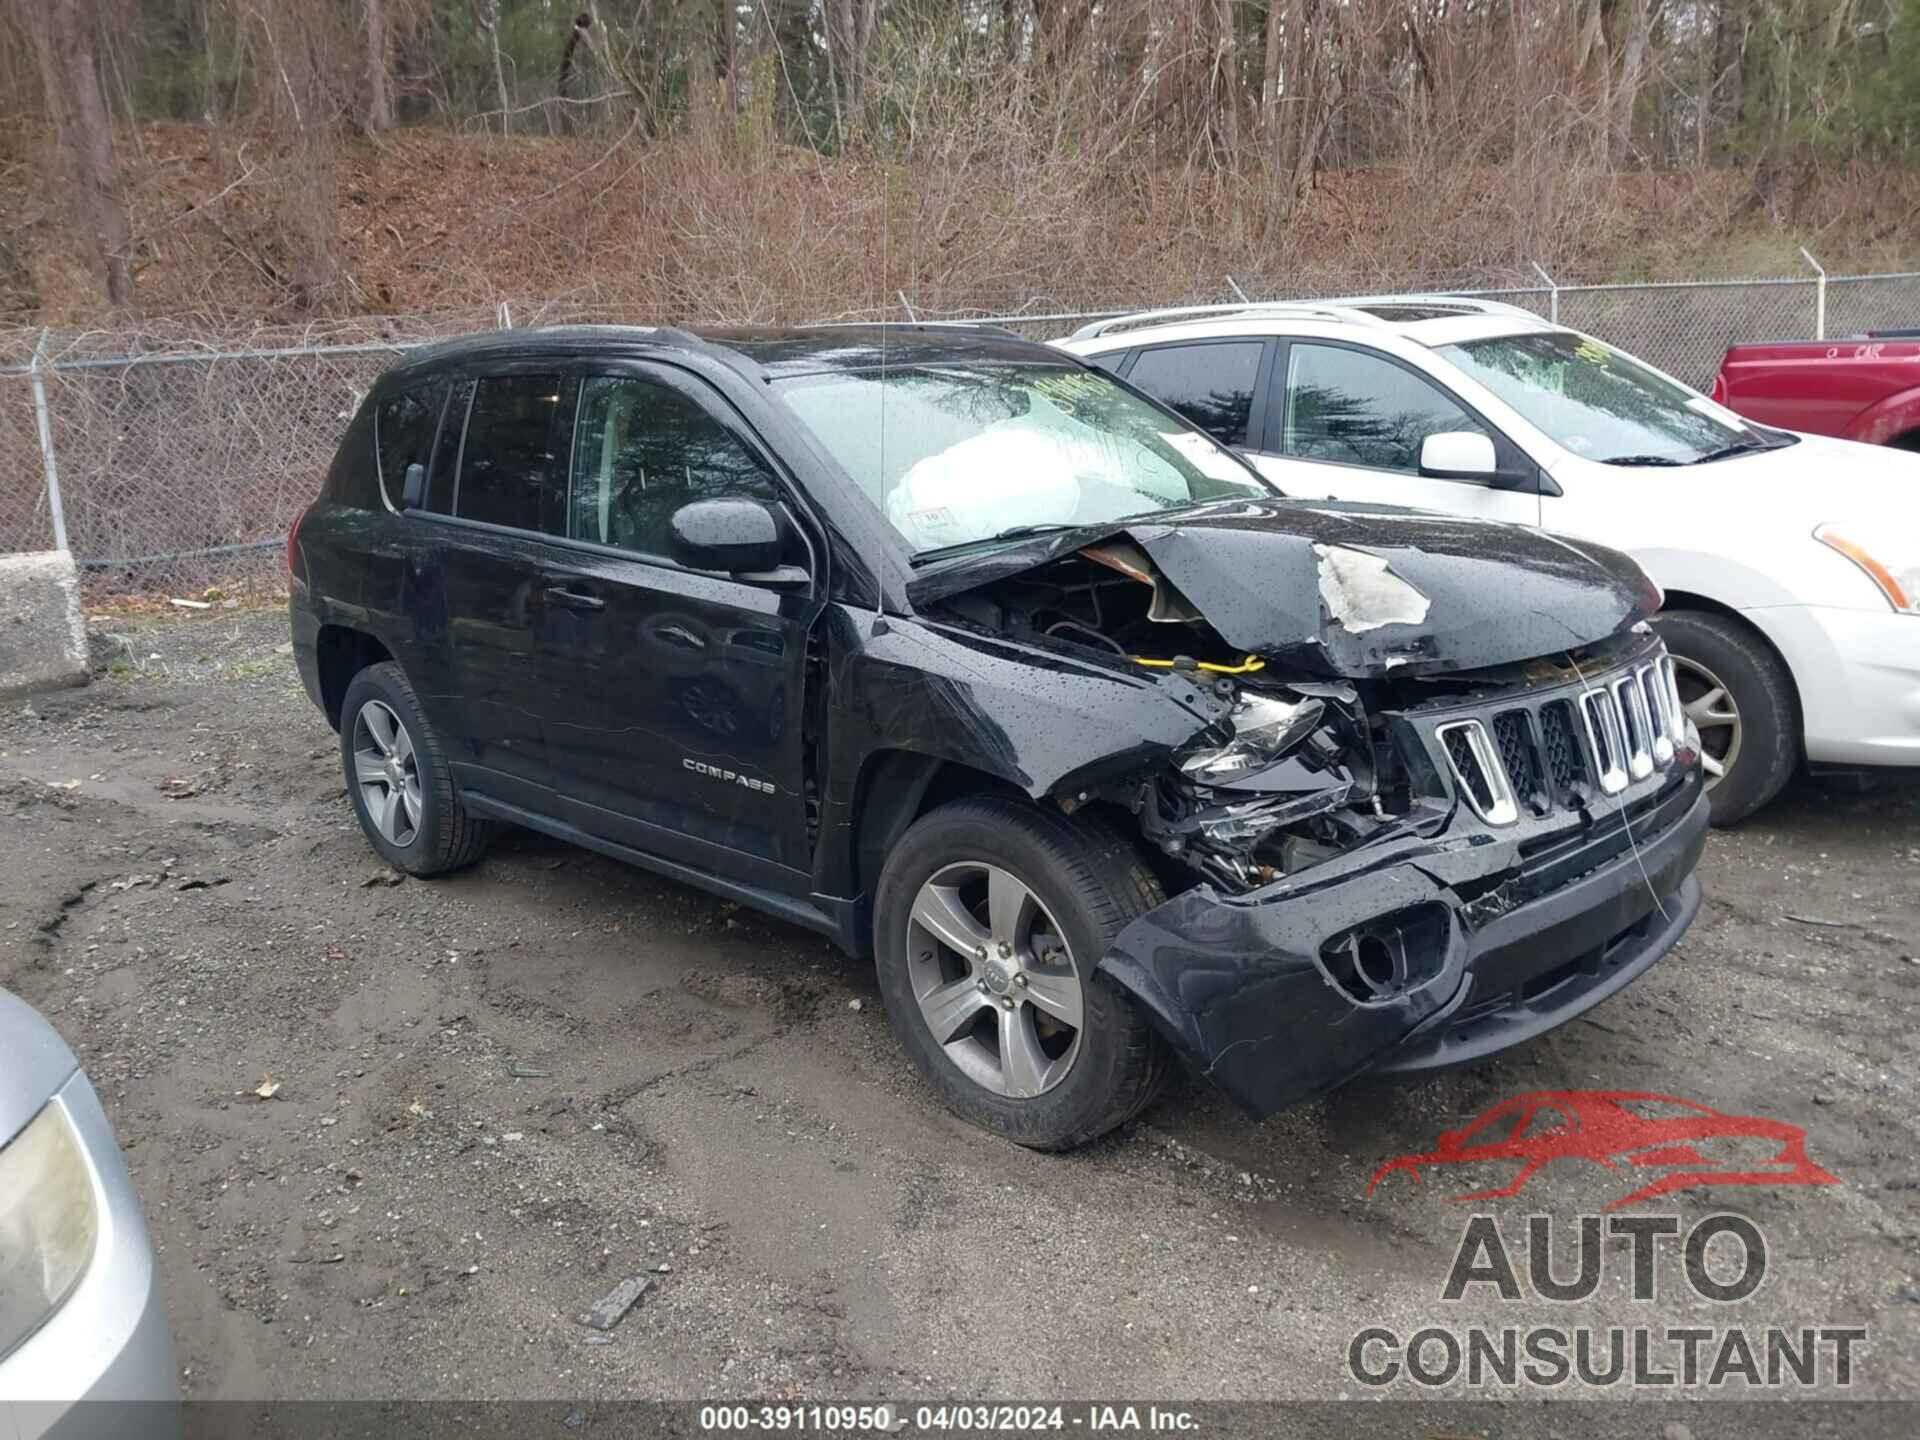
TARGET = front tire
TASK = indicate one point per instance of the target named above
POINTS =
(989, 918)
(399, 781)
(1741, 698)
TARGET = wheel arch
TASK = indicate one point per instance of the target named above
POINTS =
(1688, 600)
(894, 789)
(1891, 420)
(341, 652)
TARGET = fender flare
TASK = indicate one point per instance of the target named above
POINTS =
(1886, 419)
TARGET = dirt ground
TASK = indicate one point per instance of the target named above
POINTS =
(501, 1093)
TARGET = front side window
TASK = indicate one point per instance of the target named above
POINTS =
(1211, 385)
(507, 472)
(403, 432)
(1350, 408)
(1603, 405)
(642, 450)
(958, 454)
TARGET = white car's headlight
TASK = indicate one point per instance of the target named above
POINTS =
(48, 1223)
(1891, 562)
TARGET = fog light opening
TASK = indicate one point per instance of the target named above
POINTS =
(1387, 957)
(1375, 961)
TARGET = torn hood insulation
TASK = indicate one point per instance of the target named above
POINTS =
(1353, 590)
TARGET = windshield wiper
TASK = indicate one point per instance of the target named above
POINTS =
(1643, 460)
(1740, 447)
(1012, 532)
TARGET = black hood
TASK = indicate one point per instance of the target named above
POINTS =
(1358, 591)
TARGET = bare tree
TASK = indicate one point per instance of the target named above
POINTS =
(378, 115)
(579, 35)
(486, 19)
(1636, 25)
(65, 34)
(849, 31)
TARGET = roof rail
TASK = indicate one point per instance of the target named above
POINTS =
(1468, 303)
(1318, 310)
(982, 326)
(1342, 308)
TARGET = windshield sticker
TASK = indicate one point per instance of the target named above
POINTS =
(934, 523)
(1069, 387)
(1594, 351)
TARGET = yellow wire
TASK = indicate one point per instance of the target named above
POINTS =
(1245, 667)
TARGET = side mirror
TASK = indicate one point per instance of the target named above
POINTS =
(733, 536)
(413, 489)
(1459, 455)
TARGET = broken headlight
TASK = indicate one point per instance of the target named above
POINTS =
(1264, 728)
(1242, 822)
(1275, 762)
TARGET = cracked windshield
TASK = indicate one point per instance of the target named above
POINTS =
(961, 456)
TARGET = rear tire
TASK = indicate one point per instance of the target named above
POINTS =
(398, 779)
(1008, 1060)
(1760, 747)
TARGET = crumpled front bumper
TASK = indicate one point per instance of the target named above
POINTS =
(1512, 939)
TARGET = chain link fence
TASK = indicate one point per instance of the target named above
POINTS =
(172, 463)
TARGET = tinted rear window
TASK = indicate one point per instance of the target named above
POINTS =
(508, 474)
(1212, 385)
(350, 478)
(406, 425)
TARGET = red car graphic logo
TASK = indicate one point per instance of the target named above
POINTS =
(1615, 1128)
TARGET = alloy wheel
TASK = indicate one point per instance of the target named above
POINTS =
(995, 979)
(387, 772)
(1709, 704)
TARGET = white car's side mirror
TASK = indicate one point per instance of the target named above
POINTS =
(1459, 455)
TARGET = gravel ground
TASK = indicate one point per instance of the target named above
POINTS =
(500, 1094)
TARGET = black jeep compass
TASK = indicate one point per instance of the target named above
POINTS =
(969, 656)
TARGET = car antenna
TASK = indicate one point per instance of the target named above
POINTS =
(880, 626)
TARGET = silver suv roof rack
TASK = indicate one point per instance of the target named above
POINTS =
(1347, 309)
(1256, 310)
(1465, 304)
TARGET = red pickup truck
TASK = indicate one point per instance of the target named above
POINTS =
(1863, 388)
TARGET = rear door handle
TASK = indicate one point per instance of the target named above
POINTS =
(574, 599)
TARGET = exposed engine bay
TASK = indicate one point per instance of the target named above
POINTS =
(1297, 770)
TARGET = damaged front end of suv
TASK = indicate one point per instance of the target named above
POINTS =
(1437, 793)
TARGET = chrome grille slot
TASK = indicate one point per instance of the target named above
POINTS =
(1666, 734)
(1513, 735)
(1601, 714)
(1477, 772)
(1565, 768)
(1635, 727)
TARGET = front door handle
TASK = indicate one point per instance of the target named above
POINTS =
(574, 599)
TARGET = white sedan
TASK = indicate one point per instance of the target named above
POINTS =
(1791, 563)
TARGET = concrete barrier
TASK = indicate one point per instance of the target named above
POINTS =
(43, 634)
